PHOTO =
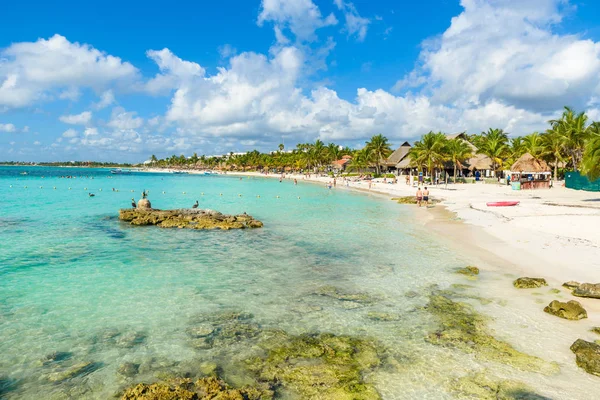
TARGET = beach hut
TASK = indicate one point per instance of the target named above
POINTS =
(391, 163)
(531, 172)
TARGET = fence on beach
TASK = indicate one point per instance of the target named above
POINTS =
(574, 180)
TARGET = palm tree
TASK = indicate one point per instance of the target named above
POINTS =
(533, 144)
(360, 160)
(553, 141)
(575, 132)
(153, 160)
(429, 152)
(458, 151)
(494, 144)
(591, 156)
(516, 148)
(380, 148)
(281, 146)
(333, 152)
(319, 152)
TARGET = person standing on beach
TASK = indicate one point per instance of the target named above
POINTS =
(426, 196)
(419, 196)
(334, 182)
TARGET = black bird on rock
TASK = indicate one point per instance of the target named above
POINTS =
(133, 203)
(91, 194)
(195, 205)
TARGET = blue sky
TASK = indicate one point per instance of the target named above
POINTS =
(124, 80)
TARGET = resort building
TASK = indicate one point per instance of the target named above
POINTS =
(479, 165)
(398, 156)
(340, 165)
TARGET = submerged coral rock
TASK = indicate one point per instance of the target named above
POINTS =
(381, 316)
(130, 339)
(463, 328)
(588, 290)
(78, 369)
(128, 369)
(54, 357)
(322, 366)
(587, 356)
(569, 310)
(185, 389)
(571, 284)
(596, 329)
(529, 283)
(483, 387)
(469, 271)
(338, 294)
(188, 218)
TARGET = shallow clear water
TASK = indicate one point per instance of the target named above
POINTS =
(70, 272)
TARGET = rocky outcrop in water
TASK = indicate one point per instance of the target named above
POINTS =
(483, 387)
(529, 283)
(461, 327)
(571, 284)
(188, 218)
(468, 270)
(185, 389)
(341, 295)
(588, 290)
(587, 356)
(570, 310)
(319, 366)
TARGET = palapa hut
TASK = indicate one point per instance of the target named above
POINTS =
(531, 172)
(477, 162)
(391, 163)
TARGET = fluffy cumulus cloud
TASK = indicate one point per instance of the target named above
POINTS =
(37, 71)
(506, 50)
(77, 119)
(355, 24)
(7, 128)
(124, 120)
(300, 17)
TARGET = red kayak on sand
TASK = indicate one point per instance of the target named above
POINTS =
(502, 204)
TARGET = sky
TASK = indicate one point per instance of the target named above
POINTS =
(121, 81)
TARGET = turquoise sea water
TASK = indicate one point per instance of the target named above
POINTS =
(71, 273)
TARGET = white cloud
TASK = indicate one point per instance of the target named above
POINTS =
(7, 128)
(227, 51)
(507, 51)
(355, 24)
(106, 99)
(173, 71)
(25, 129)
(121, 119)
(301, 17)
(36, 71)
(70, 133)
(37, 143)
(77, 119)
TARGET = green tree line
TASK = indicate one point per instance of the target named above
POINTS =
(571, 142)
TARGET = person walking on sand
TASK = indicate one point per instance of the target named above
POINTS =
(419, 196)
(426, 196)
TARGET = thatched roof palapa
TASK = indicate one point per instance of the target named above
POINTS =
(480, 162)
(397, 155)
(529, 164)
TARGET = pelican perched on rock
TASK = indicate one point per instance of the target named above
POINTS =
(133, 203)
(195, 205)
